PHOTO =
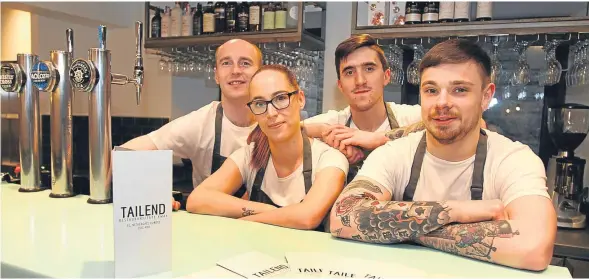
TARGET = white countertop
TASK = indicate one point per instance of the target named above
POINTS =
(48, 237)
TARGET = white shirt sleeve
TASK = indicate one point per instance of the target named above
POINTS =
(390, 165)
(520, 173)
(241, 157)
(332, 117)
(182, 134)
(406, 114)
(332, 158)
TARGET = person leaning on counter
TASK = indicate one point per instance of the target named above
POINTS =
(217, 129)
(292, 180)
(455, 186)
(362, 72)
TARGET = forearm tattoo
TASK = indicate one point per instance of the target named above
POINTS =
(388, 222)
(404, 131)
(247, 212)
(475, 240)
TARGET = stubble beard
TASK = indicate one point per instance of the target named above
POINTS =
(447, 134)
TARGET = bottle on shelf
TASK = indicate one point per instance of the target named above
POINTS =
(197, 20)
(208, 19)
(269, 16)
(255, 15)
(187, 21)
(292, 15)
(231, 17)
(220, 23)
(446, 11)
(280, 16)
(166, 23)
(176, 21)
(156, 25)
(484, 10)
(431, 11)
(461, 11)
(412, 13)
(243, 17)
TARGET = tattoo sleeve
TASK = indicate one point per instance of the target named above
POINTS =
(365, 218)
(404, 131)
(247, 212)
(475, 240)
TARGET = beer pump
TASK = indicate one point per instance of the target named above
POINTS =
(14, 78)
(52, 76)
(94, 76)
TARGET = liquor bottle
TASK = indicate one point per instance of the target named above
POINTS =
(187, 21)
(231, 14)
(280, 16)
(176, 20)
(430, 12)
(255, 13)
(412, 13)
(208, 19)
(156, 25)
(269, 16)
(484, 11)
(446, 11)
(166, 23)
(220, 24)
(197, 20)
(461, 11)
(243, 17)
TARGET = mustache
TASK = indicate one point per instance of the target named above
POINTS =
(361, 89)
(437, 113)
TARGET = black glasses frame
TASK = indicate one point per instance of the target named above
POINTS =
(289, 94)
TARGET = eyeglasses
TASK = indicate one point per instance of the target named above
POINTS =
(280, 101)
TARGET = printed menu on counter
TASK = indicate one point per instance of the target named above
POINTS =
(142, 191)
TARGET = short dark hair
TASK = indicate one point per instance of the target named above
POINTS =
(456, 51)
(355, 42)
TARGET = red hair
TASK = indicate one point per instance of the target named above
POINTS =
(261, 153)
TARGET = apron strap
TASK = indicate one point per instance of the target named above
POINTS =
(476, 187)
(415, 170)
(217, 146)
(391, 116)
(478, 177)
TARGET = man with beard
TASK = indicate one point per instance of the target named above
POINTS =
(455, 187)
(210, 134)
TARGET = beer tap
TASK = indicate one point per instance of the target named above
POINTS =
(15, 78)
(52, 76)
(94, 76)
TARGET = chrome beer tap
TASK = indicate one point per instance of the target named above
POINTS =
(95, 77)
(14, 78)
(52, 76)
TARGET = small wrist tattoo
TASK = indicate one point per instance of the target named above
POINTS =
(247, 212)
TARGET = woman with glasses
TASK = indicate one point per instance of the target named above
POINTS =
(291, 180)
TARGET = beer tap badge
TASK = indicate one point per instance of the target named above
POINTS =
(10, 77)
(83, 75)
(43, 76)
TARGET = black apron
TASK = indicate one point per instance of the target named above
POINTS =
(354, 168)
(218, 160)
(476, 187)
(257, 195)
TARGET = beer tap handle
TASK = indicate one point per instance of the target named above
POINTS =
(138, 70)
(69, 36)
(102, 37)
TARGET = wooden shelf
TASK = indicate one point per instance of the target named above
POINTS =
(475, 28)
(276, 36)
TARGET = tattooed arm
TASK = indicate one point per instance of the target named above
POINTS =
(214, 195)
(364, 212)
(372, 140)
(525, 241)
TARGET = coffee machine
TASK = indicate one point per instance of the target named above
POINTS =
(568, 125)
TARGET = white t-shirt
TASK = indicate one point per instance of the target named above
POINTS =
(405, 115)
(288, 190)
(511, 170)
(192, 136)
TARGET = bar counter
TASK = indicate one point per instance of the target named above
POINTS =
(46, 237)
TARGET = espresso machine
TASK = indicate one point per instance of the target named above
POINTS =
(568, 125)
(94, 76)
